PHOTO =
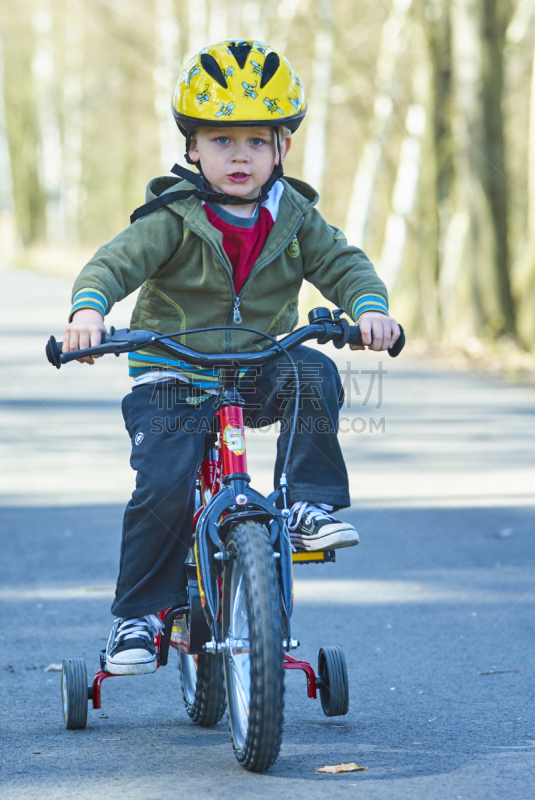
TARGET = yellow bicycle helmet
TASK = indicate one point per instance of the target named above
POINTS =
(238, 83)
(232, 83)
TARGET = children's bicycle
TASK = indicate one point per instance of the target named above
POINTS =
(233, 637)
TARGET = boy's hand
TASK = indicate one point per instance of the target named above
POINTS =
(379, 332)
(85, 330)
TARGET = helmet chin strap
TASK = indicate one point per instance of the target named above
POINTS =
(204, 192)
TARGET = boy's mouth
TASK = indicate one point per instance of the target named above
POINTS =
(239, 177)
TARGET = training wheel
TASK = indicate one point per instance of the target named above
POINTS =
(333, 683)
(74, 693)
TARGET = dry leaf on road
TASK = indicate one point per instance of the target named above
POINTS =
(341, 768)
(53, 668)
(498, 671)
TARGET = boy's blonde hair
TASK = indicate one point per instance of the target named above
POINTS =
(284, 132)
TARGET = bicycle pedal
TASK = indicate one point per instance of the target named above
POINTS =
(314, 557)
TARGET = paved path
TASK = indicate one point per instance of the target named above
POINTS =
(440, 590)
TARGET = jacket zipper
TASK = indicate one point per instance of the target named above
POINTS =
(236, 298)
(237, 315)
(272, 259)
(232, 289)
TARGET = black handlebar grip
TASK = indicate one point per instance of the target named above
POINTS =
(398, 345)
(355, 337)
(56, 356)
(53, 352)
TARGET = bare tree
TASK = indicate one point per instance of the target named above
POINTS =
(393, 41)
(315, 156)
(495, 16)
(166, 68)
(71, 116)
(22, 128)
(524, 268)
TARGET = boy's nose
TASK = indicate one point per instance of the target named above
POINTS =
(240, 156)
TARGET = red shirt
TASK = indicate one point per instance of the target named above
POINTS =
(243, 239)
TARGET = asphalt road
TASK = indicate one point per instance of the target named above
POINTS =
(439, 593)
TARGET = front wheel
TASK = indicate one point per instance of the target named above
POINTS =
(253, 654)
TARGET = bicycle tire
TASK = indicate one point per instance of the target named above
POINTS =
(256, 666)
(334, 686)
(74, 693)
(203, 687)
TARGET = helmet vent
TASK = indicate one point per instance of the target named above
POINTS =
(240, 51)
(213, 69)
(271, 65)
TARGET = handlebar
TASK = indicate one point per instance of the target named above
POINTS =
(324, 326)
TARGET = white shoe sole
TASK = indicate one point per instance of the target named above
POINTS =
(136, 668)
(326, 540)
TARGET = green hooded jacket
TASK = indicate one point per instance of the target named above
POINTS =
(177, 257)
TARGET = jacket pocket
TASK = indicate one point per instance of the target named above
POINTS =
(163, 296)
(286, 317)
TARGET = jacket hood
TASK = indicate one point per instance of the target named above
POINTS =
(299, 193)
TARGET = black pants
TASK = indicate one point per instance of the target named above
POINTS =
(168, 436)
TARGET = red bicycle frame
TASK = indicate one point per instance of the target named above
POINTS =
(232, 455)
(231, 460)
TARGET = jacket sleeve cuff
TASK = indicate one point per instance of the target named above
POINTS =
(89, 298)
(369, 302)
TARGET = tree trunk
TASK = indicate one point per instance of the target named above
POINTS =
(393, 40)
(218, 28)
(404, 196)
(166, 70)
(72, 117)
(46, 82)
(524, 273)
(494, 18)
(476, 294)
(315, 157)
(197, 27)
(22, 128)
(7, 219)
(435, 201)
(316, 121)
(279, 23)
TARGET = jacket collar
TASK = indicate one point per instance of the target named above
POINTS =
(298, 198)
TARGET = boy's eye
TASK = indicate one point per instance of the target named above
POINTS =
(223, 139)
(257, 141)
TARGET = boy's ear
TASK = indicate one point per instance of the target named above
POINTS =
(286, 143)
(192, 150)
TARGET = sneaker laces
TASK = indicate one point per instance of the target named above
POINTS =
(139, 627)
(312, 510)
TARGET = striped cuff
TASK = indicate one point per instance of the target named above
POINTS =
(89, 298)
(369, 302)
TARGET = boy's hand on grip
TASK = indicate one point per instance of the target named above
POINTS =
(84, 331)
(379, 332)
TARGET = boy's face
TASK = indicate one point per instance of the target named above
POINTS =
(236, 160)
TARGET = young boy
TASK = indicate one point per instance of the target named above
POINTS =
(230, 245)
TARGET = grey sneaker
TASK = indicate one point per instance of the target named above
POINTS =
(131, 649)
(313, 527)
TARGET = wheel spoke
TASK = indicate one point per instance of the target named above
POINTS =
(241, 689)
(236, 608)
